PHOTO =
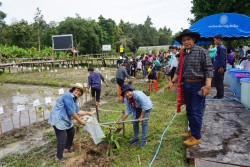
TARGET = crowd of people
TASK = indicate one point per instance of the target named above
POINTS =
(199, 66)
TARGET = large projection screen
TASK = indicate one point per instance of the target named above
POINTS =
(62, 42)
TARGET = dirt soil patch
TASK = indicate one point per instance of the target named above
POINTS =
(21, 133)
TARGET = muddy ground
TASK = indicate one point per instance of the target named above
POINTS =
(87, 153)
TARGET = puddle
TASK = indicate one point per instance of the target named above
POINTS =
(24, 146)
(13, 95)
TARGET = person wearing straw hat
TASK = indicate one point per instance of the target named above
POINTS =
(196, 77)
(61, 118)
(140, 105)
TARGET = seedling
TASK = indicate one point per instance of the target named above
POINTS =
(113, 140)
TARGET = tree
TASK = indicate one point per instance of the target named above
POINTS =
(84, 33)
(2, 16)
(108, 26)
(150, 33)
(165, 36)
(20, 34)
(203, 8)
(39, 26)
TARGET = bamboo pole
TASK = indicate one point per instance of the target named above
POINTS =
(29, 116)
(12, 122)
(1, 130)
(97, 112)
(20, 119)
(43, 114)
(36, 113)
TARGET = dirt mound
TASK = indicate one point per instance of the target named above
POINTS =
(91, 156)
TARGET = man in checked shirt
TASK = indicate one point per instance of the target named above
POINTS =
(197, 76)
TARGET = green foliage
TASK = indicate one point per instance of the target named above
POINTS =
(51, 135)
(172, 152)
(17, 52)
(2, 16)
(39, 108)
(203, 8)
(88, 35)
(113, 140)
(33, 158)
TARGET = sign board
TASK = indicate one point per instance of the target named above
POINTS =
(106, 47)
(61, 91)
(62, 42)
(1, 110)
(47, 100)
(36, 103)
(20, 108)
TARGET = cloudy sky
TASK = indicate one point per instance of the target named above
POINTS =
(170, 13)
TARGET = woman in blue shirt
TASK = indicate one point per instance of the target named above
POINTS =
(61, 118)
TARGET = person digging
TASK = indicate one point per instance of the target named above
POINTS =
(140, 105)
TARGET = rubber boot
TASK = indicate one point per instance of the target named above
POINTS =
(119, 92)
(156, 85)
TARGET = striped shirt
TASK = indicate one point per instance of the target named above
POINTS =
(197, 64)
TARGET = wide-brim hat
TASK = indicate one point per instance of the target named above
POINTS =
(187, 32)
(78, 85)
(125, 88)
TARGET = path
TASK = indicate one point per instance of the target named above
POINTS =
(226, 135)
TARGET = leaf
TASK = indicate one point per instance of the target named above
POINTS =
(117, 144)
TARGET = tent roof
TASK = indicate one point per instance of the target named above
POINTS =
(229, 25)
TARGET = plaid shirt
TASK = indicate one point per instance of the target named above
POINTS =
(197, 64)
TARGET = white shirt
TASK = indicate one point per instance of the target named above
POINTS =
(139, 65)
(174, 63)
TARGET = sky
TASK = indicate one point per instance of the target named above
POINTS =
(170, 13)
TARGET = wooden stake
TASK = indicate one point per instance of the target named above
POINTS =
(1, 131)
(29, 116)
(20, 119)
(86, 97)
(43, 115)
(97, 112)
(123, 126)
(36, 113)
(79, 137)
(139, 159)
(12, 122)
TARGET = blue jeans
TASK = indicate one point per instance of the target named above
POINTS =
(144, 125)
(194, 106)
(218, 82)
